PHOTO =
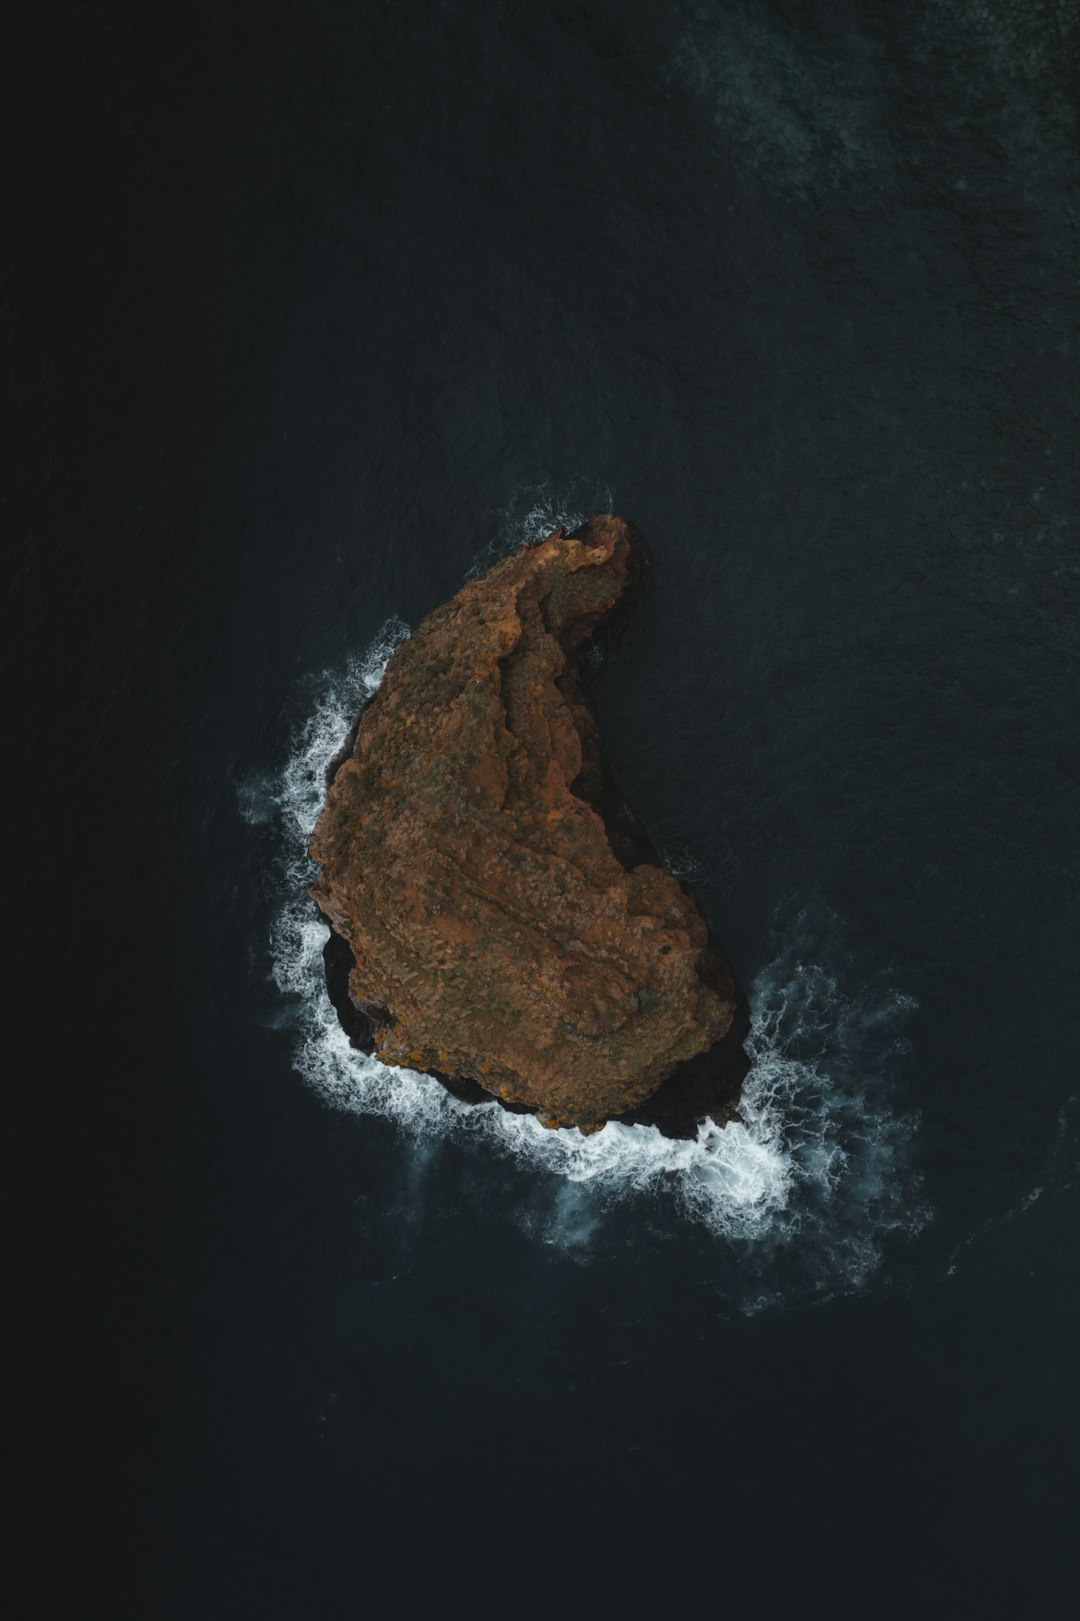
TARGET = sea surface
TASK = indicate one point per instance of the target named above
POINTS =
(316, 311)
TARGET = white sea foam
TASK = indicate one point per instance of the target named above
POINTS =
(819, 1165)
(297, 792)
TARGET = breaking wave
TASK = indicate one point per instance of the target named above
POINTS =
(820, 1165)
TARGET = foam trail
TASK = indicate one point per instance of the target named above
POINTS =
(819, 1165)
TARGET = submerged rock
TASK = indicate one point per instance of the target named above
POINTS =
(500, 918)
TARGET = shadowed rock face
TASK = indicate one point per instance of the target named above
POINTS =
(503, 919)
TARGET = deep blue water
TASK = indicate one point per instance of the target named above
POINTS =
(314, 311)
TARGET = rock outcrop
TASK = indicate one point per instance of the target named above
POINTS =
(503, 919)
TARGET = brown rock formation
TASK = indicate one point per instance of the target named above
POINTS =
(508, 920)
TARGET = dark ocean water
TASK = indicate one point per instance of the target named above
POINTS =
(313, 311)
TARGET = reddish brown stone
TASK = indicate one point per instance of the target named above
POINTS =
(507, 917)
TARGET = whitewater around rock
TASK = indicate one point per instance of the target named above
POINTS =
(802, 1192)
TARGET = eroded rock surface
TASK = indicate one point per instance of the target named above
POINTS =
(509, 924)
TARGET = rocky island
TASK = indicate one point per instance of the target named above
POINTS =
(499, 917)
